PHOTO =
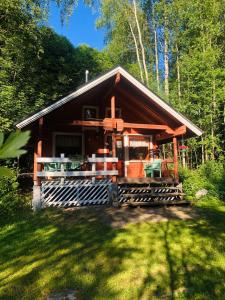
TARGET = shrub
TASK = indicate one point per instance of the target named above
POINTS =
(209, 176)
(11, 201)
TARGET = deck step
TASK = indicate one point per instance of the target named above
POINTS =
(151, 188)
(145, 194)
(156, 203)
(146, 180)
(153, 195)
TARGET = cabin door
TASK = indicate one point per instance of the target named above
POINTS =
(137, 152)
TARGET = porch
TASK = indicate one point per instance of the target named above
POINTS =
(96, 181)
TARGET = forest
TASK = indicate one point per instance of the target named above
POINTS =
(176, 48)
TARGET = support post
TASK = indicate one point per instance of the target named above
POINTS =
(62, 169)
(36, 202)
(113, 194)
(93, 167)
(126, 153)
(113, 107)
(175, 159)
(113, 115)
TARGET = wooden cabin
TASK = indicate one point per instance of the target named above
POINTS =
(110, 130)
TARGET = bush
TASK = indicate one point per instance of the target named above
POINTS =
(11, 201)
(209, 176)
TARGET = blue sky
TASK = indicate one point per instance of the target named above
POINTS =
(80, 29)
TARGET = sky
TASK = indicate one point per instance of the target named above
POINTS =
(80, 28)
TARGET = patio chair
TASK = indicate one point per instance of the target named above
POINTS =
(77, 162)
(52, 167)
(150, 168)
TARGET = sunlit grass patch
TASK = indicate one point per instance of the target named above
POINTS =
(55, 250)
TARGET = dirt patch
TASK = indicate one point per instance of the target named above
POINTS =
(119, 217)
(65, 295)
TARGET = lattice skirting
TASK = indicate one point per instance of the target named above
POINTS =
(74, 193)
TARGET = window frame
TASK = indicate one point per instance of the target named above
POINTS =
(55, 133)
(84, 107)
(149, 137)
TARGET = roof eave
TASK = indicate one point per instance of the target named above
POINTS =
(197, 131)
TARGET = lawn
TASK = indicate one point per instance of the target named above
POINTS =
(55, 250)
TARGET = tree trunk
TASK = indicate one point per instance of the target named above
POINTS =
(137, 51)
(166, 65)
(178, 74)
(212, 119)
(203, 150)
(140, 41)
(166, 52)
(156, 48)
(156, 59)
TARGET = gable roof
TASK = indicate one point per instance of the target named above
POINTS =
(181, 118)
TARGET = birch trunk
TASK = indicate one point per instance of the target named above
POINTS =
(178, 74)
(156, 59)
(140, 41)
(166, 65)
(166, 52)
(156, 48)
(137, 52)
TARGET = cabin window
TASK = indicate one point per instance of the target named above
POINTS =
(90, 112)
(70, 145)
(108, 112)
(138, 149)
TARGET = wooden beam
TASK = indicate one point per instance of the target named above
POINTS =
(69, 160)
(147, 126)
(87, 123)
(175, 158)
(126, 125)
(77, 173)
(178, 131)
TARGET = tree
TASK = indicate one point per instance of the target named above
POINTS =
(37, 65)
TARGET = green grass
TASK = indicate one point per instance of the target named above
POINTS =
(53, 251)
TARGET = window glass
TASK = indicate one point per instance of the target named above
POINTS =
(138, 149)
(70, 145)
(89, 113)
(119, 149)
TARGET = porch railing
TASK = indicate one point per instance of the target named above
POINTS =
(93, 160)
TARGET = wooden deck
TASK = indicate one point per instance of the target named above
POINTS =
(146, 180)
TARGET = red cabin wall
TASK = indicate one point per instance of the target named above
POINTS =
(59, 121)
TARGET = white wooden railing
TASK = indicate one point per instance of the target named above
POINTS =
(93, 160)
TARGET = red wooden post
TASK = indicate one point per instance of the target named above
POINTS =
(113, 107)
(113, 115)
(38, 152)
(175, 158)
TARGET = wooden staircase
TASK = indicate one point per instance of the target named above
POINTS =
(137, 194)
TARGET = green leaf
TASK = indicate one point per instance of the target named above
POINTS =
(12, 146)
(5, 172)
